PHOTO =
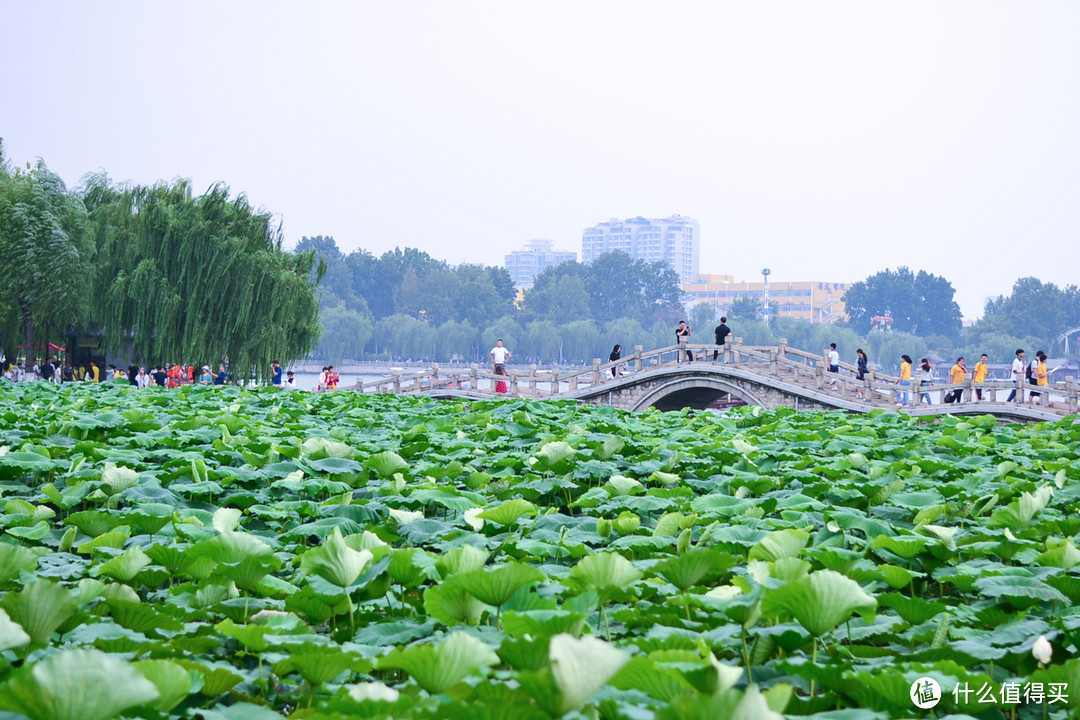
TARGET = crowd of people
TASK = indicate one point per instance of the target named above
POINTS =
(166, 376)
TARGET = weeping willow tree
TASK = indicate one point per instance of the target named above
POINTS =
(198, 280)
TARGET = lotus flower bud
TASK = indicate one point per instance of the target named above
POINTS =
(603, 527)
(1042, 650)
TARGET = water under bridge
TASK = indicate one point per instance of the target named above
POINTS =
(768, 376)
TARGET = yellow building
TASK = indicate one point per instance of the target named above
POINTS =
(818, 302)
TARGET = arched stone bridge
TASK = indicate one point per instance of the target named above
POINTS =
(771, 377)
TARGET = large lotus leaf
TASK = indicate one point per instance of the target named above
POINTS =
(461, 560)
(249, 572)
(387, 463)
(543, 623)
(641, 673)
(620, 485)
(509, 512)
(28, 461)
(906, 546)
(318, 663)
(40, 608)
(226, 519)
(142, 617)
(240, 711)
(733, 705)
(1019, 591)
(15, 558)
(117, 479)
(525, 653)
(11, 635)
(150, 517)
(580, 667)
(217, 677)
(334, 466)
(315, 448)
(819, 601)
(93, 522)
(694, 567)
(335, 562)
(124, 566)
(171, 680)
(438, 667)
(497, 585)
(607, 572)
(76, 685)
(409, 566)
(231, 547)
(451, 604)
(782, 543)
(553, 453)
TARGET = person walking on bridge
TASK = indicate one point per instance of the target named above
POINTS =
(722, 331)
(862, 366)
(903, 397)
(980, 376)
(499, 355)
(1017, 375)
(615, 356)
(682, 332)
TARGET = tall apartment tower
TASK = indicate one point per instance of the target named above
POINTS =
(676, 239)
(538, 255)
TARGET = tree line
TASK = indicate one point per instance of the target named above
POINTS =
(406, 304)
(161, 274)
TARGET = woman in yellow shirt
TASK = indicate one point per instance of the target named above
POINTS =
(980, 376)
(903, 397)
(956, 377)
(1042, 375)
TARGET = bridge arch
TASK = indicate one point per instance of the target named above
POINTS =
(699, 393)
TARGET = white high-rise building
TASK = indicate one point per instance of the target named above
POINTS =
(538, 255)
(675, 239)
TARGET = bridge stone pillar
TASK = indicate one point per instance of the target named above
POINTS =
(474, 381)
(734, 356)
(1070, 387)
(819, 376)
(532, 377)
(395, 380)
(967, 388)
(434, 375)
(638, 350)
(596, 371)
(514, 382)
(555, 381)
(781, 348)
(868, 382)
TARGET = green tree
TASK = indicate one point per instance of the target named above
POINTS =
(186, 278)
(560, 298)
(46, 268)
(511, 334)
(345, 333)
(1033, 309)
(749, 310)
(456, 338)
(543, 341)
(702, 315)
(581, 341)
(918, 303)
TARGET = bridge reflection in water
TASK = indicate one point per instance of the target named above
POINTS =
(769, 376)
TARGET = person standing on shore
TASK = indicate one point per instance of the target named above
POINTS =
(276, 369)
(721, 332)
(499, 355)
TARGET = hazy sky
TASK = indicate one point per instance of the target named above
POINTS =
(824, 140)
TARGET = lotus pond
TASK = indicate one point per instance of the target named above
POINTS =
(250, 554)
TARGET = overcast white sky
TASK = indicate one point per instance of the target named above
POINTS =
(824, 140)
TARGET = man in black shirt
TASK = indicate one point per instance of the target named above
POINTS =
(721, 331)
(133, 372)
(159, 376)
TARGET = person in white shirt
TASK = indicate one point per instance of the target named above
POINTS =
(142, 380)
(290, 381)
(1017, 374)
(499, 355)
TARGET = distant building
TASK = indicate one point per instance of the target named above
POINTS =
(524, 265)
(676, 239)
(818, 302)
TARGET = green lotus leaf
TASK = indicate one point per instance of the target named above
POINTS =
(438, 667)
(28, 461)
(217, 677)
(40, 608)
(76, 684)
(525, 653)
(1021, 592)
(582, 666)
(694, 567)
(226, 519)
(461, 560)
(93, 522)
(11, 634)
(387, 463)
(553, 453)
(451, 605)
(543, 623)
(496, 585)
(509, 512)
(172, 681)
(315, 448)
(124, 566)
(231, 547)
(334, 466)
(249, 572)
(15, 559)
(37, 532)
(319, 663)
(778, 544)
(406, 568)
(643, 674)
(620, 485)
(607, 572)
(117, 479)
(335, 562)
(905, 546)
(820, 601)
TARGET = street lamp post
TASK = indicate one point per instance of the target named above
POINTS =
(765, 311)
